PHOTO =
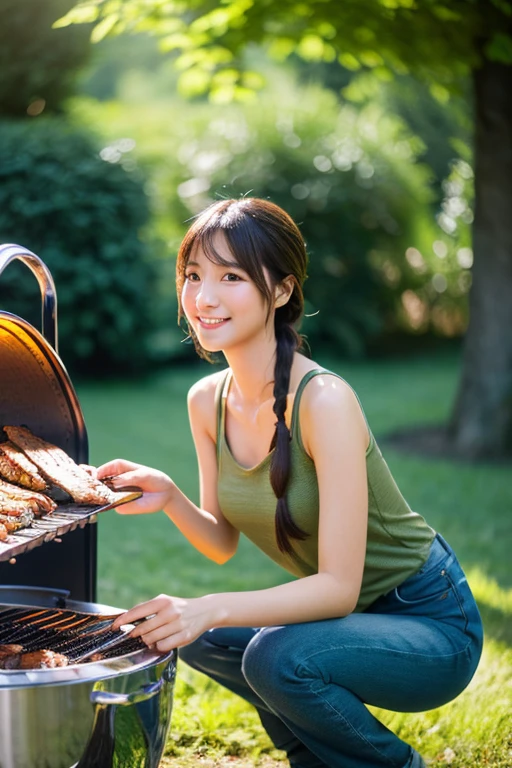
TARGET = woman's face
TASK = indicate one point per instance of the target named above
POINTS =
(222, 304)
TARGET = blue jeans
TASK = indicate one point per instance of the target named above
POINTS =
(414, 649)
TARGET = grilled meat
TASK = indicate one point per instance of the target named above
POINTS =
(60, 468)
(10, 656)
(17, 468)
(13, 522)
(3, 532)
(15, 507)
(39, 502)
(43, 660)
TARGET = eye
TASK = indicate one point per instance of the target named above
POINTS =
(231, 277)
(192, 276)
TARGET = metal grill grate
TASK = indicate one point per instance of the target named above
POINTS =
(76, 635)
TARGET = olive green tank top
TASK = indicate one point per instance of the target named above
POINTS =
(398, 539)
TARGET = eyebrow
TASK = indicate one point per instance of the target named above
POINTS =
(232, 264)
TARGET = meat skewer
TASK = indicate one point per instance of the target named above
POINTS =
(3, 532)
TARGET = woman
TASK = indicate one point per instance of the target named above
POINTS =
(381, 612)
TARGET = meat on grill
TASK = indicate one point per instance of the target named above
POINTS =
(60, 468)
(43, 660)
(38, 502)
(13, 522)
(12, 657)
(17, 468)
(18, 506)
(14, 507)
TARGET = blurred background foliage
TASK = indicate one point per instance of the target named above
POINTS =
(376, 171)
(38, 64)
(86, 219)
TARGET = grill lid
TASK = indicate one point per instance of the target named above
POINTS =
(37, 392)
(36, 389)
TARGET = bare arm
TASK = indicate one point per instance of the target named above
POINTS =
(204, 526)
(335, 435)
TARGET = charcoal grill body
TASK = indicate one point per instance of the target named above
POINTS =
(109, 714)
(35, 390)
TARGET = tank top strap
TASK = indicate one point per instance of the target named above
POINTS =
(221, 392)
(295, 421)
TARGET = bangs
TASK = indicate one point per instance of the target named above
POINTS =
(247, 242)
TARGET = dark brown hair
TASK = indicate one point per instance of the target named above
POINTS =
(260, 235)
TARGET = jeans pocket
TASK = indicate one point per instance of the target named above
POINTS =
(462, 593)
(424, 587)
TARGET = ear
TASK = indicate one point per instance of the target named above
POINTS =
(283, 291)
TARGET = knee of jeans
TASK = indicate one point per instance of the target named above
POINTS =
(268, 662)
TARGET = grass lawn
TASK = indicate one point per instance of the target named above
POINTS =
(471, 506)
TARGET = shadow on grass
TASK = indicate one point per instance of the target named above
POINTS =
(497, 622)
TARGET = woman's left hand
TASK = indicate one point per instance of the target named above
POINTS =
(170, 622)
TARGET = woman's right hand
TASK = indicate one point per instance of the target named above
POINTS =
(157, 487)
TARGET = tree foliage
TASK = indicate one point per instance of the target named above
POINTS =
(439, 40)
(442, 41)
(83, 215)
(37, 63)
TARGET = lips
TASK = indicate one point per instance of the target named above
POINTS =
(212, 322)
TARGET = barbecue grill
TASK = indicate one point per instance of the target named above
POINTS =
(111, 705)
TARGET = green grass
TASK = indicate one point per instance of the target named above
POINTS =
(471, 506)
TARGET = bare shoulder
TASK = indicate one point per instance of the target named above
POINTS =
(328, 403)
(327, 390)
(203, 391)
(201, 400)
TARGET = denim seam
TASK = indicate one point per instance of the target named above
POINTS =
(354, 730)
(390, 651)
(458, 598)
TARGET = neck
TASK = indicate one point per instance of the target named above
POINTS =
(253, 369)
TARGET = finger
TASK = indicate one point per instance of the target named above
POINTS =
(129, 477)
(140, 611)
(160, 633)
(115, 467)
(119, 621)
(137, 507)
(148, 625)
(177, 640)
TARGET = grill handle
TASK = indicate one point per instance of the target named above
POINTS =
(106, 698)
(9, 252)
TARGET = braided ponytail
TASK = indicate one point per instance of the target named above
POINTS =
(266, 243)
(287, 342)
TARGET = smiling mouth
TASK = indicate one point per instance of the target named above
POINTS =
(212, 320)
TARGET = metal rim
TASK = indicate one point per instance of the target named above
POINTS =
(87, 671)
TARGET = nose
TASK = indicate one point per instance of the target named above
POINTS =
(207, 295)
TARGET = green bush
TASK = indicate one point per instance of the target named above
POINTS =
(85, 217)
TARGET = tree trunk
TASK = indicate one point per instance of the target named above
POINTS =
(481, 424)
